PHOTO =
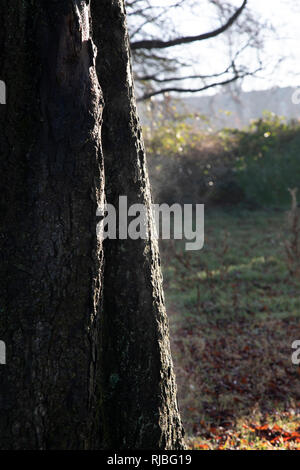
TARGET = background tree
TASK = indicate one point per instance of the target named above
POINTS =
(165, 59)
(64, 317)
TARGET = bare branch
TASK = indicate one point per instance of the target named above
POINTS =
(152, 19)
(158, 44)
(154, 78)
(161, 91)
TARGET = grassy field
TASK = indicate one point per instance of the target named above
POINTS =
(234, 312)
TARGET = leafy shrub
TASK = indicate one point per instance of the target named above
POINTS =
(267, 159)
(254, 166)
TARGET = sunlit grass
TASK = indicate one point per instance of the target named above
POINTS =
(234, 313)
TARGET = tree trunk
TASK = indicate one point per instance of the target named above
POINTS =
(138, 390)
(52, 178)
(77, 376)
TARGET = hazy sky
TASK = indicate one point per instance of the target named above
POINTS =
(285, 17)
(210, 56)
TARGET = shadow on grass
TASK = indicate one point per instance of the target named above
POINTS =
(234, 314)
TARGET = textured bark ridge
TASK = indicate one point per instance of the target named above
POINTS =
(51, 262)
(76, 378)
(138, 391)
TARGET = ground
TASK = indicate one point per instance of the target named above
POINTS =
(234, 313)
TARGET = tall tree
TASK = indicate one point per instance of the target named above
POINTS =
(170, 62)
(52, 179)
(138, 387)
(64, 316)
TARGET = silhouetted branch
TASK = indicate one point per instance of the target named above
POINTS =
(159, 44)
(161, 91)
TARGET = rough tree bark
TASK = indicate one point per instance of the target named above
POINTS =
(52, 178)
(138, 386)
(78, 376)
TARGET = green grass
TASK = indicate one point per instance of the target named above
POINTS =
(241, 270)
(234, 313)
